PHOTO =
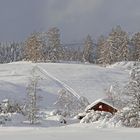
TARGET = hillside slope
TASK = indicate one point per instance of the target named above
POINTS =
(82, 79)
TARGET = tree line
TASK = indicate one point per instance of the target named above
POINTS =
(47, 47)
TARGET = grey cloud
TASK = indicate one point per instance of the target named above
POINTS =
(75, 18)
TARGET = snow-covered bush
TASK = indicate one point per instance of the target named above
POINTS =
(11, 119)
(127, 117)
(8, 106)
(94, 116)
(4, 118)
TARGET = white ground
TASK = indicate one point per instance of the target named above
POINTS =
(74, 132)
(81, 79)
(85, 80)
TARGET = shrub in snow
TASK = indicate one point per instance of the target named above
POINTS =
(128, 117)
(5, 118)
(94, 116)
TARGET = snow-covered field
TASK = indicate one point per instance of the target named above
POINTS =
(86, 80)
(73, 132)
(90, 81)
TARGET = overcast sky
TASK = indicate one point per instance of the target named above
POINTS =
(74, 18)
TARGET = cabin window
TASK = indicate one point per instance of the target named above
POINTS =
(100, 106)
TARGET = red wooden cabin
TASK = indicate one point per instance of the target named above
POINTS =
(102, 105)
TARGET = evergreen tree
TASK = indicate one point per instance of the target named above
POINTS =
(132, 91)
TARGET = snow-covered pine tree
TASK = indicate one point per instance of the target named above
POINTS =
(132, 92)
(88, 50)
(32, 98)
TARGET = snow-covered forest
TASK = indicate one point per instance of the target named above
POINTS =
(117, 46)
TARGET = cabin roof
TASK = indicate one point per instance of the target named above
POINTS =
(105, 101)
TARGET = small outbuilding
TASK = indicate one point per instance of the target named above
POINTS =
(102, 105)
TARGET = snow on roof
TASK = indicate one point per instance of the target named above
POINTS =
(105, 101)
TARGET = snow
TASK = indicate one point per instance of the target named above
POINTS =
(90, 81)
(86, 80)
(75, 132)
(82, 79)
